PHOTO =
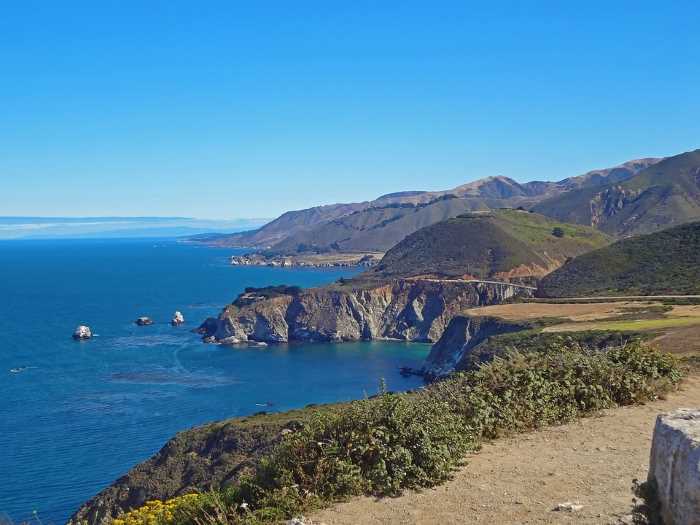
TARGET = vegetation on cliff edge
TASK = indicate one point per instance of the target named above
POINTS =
(394, 441)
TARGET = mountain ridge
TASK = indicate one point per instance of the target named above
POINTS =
(659, 196)
(379, 224)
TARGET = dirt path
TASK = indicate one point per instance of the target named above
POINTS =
(521, 479)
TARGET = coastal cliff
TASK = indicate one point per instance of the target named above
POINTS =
(408, 310)
(200, 459)
(463, 334)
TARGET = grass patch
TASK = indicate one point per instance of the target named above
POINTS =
(641, 324)
(382, 445)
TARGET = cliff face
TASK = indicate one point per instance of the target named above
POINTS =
(198, 459)
(404, 310)
(453, 350)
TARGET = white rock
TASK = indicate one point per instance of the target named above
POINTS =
(177, 319)
(675, 466)
(82, 332)
(568, 506)
(301, 520)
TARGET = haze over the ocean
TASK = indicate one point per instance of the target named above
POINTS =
(229, 110)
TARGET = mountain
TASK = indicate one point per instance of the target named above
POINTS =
(378, 225)
(498, 244)
(376, 228)
(662, 195)
(666, 262)
(608, 175)
(289, 223)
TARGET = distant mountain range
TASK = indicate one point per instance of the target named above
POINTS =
(116, 227)
(380, 224)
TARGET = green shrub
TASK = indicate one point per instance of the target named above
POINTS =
(394, 441)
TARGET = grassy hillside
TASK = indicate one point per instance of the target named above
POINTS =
(496, 244)
(666, 262)
(664, 194)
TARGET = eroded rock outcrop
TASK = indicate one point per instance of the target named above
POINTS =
(453, 350)
(405, 310)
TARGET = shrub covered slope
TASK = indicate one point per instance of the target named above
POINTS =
(489, 244)
(666, 262)
(395, 441)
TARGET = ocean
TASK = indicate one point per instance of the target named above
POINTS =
(74, 416)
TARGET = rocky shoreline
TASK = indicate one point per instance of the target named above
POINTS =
(218, 454)
(340, 260)
(404, 310)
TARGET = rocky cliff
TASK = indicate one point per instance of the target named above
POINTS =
(463, 334)
(199, 459)
(408, 310)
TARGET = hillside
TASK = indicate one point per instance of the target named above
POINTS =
(377, 228)
(379, 224)
(499, 244)
(666, 262)
(662, 195)
(286, 224)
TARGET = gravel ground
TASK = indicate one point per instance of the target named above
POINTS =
(523, 478)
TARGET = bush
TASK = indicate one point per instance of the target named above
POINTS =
(394, 441)
(558, 232)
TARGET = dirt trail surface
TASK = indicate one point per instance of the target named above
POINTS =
(522, 479)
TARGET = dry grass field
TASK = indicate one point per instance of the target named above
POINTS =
(677, 326)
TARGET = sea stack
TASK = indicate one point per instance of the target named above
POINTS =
(82, 332)
(177, 319)
(144, 321)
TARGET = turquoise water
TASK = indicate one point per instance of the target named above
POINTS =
(79, 414)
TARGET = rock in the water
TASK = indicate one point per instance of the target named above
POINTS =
(674, 469)
(82, 332)
(144, 321)
(177, 319)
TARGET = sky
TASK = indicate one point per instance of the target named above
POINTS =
(247, 109)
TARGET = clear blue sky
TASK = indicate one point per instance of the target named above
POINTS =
(246, 109)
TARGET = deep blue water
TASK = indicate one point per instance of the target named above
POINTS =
(83, 413)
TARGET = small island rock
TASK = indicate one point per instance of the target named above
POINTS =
(144, 321)
(82, 332)
(177, 319)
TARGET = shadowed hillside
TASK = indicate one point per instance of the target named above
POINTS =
(666, 262)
